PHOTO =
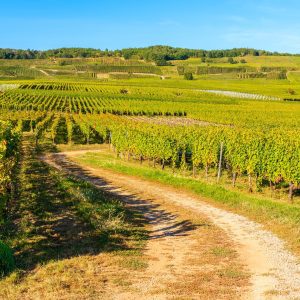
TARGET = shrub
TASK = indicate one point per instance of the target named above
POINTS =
(7, 262)
(277, 75)
(63, 63)
(123, 91)
(291, 91)
(231, 60)
(160, 60)
(188, 76)
(180, 70)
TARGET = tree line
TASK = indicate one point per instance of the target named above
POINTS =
(161, 55)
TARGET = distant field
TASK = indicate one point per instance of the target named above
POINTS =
(117, 71)
(252, 61)
(294, 77)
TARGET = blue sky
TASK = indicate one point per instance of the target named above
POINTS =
(114, 24)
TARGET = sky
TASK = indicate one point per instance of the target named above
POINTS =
(114, 24)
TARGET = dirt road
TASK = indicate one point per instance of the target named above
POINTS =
(275, 272)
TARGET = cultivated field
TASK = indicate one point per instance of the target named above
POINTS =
(120, 178)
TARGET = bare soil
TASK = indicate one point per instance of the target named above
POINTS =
(187, 256)
(275, 272)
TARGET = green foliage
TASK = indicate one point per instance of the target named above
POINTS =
(232, 61)
(20, 72)
(188, 76)
(7, 262)
(248, 75)
(264, 155)
(170, 53)
(153, 53)
(120, 68)
(159, 59)
(180, 70)
(88, 99)
(9, 152)
(221, 70)
(63, 63)
(95, 207)
(262, 145)
(291, 91)
(277, 75)
(258, 208)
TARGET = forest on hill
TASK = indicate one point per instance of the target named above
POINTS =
(158, 54)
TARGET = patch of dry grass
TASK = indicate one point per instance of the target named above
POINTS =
(68, 237)
(82, 277)
(222, 274)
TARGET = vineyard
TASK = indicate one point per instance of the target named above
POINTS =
(120, 68)
(149, 150)
(140, 100)
(221, 137)
(10, 135)
(233, 141)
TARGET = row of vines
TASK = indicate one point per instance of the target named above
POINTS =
(10, 136)
(257, 140)
(91, 98)
(271, 157)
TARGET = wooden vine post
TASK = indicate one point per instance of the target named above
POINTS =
(220, 162)
(109, 140)
(234, 177)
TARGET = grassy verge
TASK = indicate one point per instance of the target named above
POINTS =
(279, 217)
(58, 222)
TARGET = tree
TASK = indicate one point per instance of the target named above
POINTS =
(159, 59)
(188, 76)
(231, 60)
